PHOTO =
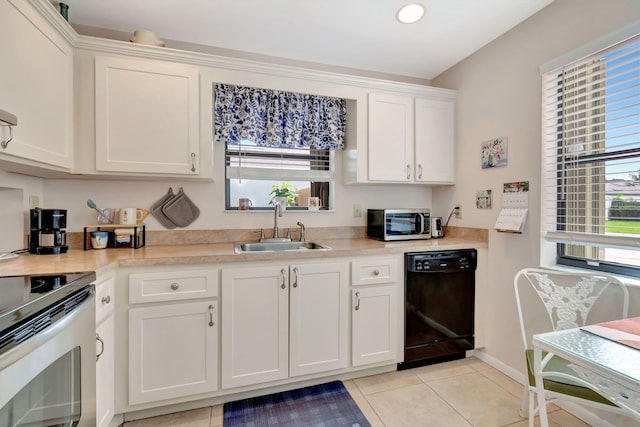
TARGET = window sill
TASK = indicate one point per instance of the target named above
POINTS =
(627, 280)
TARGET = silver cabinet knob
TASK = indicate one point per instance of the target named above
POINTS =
(175, 286)
(106, 300)
(376, 272)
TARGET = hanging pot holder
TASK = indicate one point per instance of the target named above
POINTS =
(181, 210)
(156, 209)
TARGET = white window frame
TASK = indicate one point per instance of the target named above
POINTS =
(550, 238)
(288, 175)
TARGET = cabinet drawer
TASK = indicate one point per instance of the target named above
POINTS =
(173, 286)
(105, 292)
(375, 271)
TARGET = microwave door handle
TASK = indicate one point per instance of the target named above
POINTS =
(421, 216)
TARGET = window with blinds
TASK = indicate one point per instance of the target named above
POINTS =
(253, 171)
(591, 159)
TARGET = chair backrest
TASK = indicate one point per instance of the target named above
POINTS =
(550, 300)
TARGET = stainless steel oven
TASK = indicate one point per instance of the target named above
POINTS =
(47, 350)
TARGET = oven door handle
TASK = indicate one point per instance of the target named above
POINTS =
(18, 352)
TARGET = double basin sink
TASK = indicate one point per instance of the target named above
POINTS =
(278, 246)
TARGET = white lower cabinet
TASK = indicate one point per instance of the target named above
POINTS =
(374, 324)
(283, 320)
(173, 345)
(319, 318)
(105, 350)
(375, 321)
(105, 384)
(173, 351)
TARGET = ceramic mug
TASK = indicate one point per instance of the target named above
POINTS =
(99, 239)
(315, 203)
(131, 216)
(244, 204)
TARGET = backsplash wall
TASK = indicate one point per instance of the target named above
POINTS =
(15, 190)
(72, 195)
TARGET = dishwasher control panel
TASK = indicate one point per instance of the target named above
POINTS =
(441, 261)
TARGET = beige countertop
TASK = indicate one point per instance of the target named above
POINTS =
(104, 259)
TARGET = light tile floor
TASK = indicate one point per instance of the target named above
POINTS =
(464, 392)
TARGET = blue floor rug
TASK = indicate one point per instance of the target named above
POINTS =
(324, 405)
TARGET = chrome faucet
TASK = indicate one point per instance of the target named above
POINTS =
(277, 212)
(301, 225)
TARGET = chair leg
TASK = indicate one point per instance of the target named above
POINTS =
(532, 412)
(524, 412)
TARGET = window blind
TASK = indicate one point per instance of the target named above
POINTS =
(248, 161)
(591, 151)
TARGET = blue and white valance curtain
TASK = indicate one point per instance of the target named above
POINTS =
(271, 118)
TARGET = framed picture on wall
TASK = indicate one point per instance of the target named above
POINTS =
(494, 152)
(484, 199)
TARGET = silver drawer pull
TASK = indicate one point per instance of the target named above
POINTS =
(358, 299)
(106, 300)
(211, 315)
(283, 273)
(295, 277)
(101, 347)
(175, 286)
(376, 272)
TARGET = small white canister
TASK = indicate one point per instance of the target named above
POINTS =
(436, 228)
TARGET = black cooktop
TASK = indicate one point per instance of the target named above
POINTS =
(23, 296)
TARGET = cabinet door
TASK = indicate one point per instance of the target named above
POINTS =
(319, 299)
(172, 351)
(434, 141)
(374, 329)
(390, 138)
(41, 96)
(147, 116)
(255, 320)
(105, 365)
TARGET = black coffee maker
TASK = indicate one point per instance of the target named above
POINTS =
(47, 234)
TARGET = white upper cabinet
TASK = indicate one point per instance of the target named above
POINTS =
(410, 140)
(147, 116)
(434, 141)
(390, 138)
(36, 85)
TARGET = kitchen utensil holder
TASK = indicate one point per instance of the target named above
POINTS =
(137, 238)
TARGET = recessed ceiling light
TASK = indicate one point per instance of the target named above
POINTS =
(410, 13)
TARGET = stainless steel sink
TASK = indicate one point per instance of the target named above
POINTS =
(241, 248)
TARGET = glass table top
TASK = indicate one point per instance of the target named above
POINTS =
(595, 350)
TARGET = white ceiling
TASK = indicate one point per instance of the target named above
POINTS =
(358, 34)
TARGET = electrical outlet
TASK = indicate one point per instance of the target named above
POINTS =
(34, 202)
(357, 210)
(457, 210)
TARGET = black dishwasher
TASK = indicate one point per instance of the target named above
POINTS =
(439, 306)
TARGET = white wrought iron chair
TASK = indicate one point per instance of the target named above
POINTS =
(550, 300)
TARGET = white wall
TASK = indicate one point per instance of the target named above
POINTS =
(209, 197)
(14, 208)
(499, 93)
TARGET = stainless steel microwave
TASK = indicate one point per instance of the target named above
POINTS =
(399, 224)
